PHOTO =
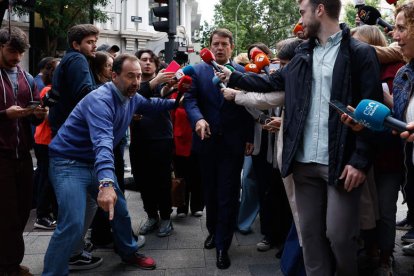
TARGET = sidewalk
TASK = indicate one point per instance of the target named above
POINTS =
(182, 253)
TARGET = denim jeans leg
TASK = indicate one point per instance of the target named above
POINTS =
(122, 228)
(70, 180)
(90, 211)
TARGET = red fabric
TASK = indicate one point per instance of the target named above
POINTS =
(183, 134)
(43, 133)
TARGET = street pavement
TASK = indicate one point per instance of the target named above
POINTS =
(182, 253)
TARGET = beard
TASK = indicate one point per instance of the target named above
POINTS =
(312, 29)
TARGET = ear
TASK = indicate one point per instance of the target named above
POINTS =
(320, 10)
(76, 45)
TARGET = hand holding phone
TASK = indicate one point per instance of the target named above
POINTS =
(342, 109)
(33, 104)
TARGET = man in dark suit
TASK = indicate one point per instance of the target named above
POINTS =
(222, 131)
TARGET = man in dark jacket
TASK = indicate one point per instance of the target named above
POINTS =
(16, 113)
(327, 160)
(222, 131)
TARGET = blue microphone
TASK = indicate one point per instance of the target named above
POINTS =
(217, 81)
(186, 71)
(376, 116)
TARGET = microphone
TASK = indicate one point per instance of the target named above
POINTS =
(217, 81)
(186, 71)
(392, 2)
(262, 62)
(251, 67)
(208, 57)
(255, 52)
(371, 16)
(183, 86)
(298, 28)
(376, 116)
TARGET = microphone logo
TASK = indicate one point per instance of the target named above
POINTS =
(370, 109)
(260, 59)
(363, 14)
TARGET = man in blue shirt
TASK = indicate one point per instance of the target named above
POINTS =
(81, 160)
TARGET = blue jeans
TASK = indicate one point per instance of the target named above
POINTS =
(72, 180)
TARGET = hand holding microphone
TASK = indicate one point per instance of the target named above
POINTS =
(371, 16)
(262, 62)
(208, 57)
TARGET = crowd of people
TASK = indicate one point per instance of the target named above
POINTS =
(315, 176)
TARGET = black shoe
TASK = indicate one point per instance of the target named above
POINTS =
(45, 223)
(209, 243)
(84, 261)
(223, 260)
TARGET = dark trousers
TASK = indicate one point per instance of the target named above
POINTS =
(275, 213)
(16, 181)
(221, 171)
(46, 199)
(188, 168)
(101, 229)
(151, 162)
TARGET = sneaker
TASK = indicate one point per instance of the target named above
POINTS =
(150, 225)
(403, 225)
(45, 223)
(264, 245)
(198, 214)
(141, 261)
(409, 236)
(140, 241)
(181, 215)
(84, 261)
(165, 228)
(408, 249)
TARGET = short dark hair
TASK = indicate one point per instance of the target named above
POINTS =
(139, 53)
(16, 38)
(223, 33)
(79, 32)
(332, 7)
(42, 63)
(49, 70)
(261, 46)
(119, 61)
(286, 48)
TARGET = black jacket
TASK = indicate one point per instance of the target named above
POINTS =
(356, 76)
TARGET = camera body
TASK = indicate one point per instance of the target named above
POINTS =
(50, 98)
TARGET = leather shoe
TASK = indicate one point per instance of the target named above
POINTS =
(223, 260)
(210, 243)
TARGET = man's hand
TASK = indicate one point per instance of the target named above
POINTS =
(348, 121)
(353, 177)
(273, 125)
(406, 134)
(229, 93)
(107, 199)
(40, 112)
(162, 77)
(202, 129)
(249, 149)
(225, 76)
(15, 111)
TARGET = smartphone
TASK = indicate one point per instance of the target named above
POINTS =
(33, 104)
(341, 108)
(264, 119)
(274, 66)
(172, 67)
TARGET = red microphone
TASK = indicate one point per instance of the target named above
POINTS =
(262, 62)
(255, 52)
(208, 57)
(183, 86)
(251, 67)
(298, 28)
(392, 2)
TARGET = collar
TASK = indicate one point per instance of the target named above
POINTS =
(332, 40)
(118, 93)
